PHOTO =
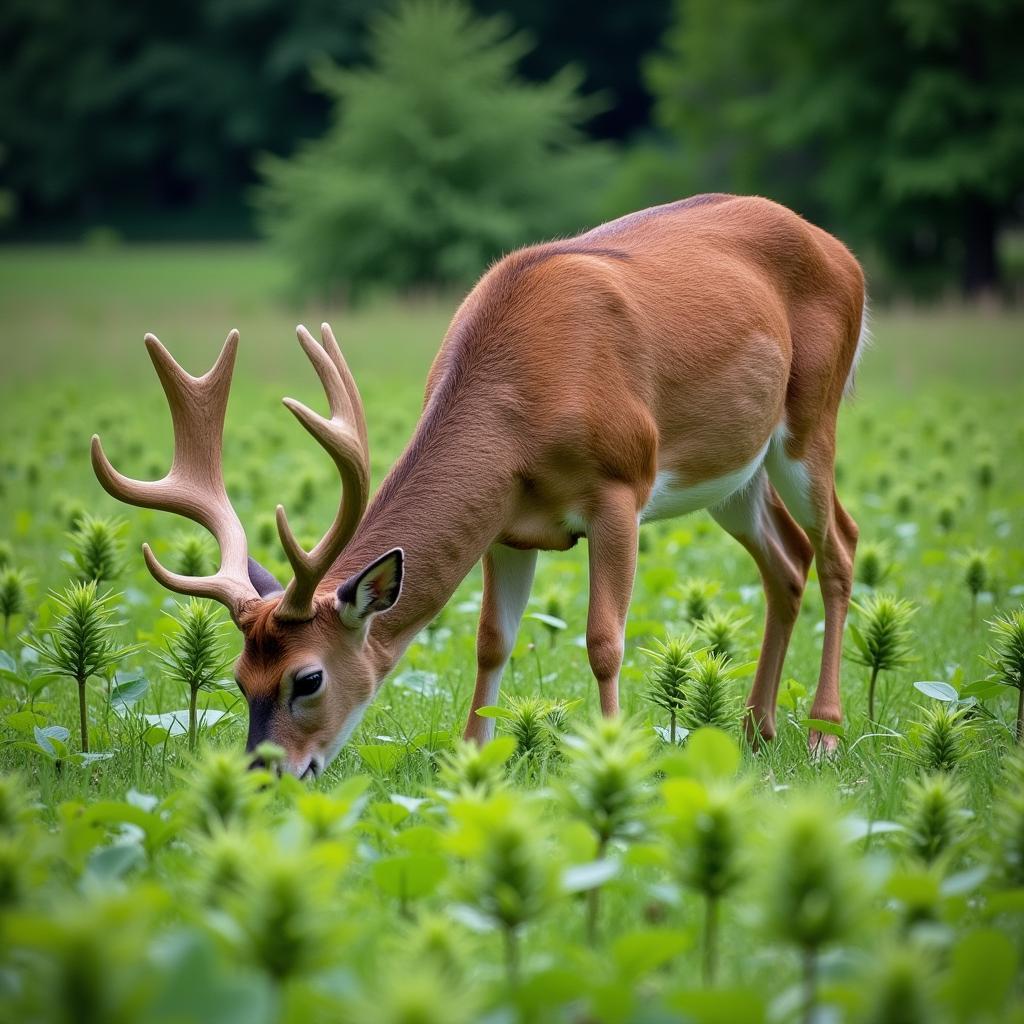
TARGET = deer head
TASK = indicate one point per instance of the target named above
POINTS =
(306, 669)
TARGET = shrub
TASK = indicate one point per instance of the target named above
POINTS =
(426, 176)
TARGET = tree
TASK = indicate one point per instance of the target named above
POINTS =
(896, 122)
(438, 159)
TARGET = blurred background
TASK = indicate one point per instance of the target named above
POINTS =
(399, 147)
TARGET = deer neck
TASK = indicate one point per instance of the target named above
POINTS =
(443, 503)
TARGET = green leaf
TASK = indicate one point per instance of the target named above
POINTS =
(551, 621)
(644, 950)
(981, 973)
(494, 711)
(380, 757)
(409, 876)
(721, 1006)
(937, 690)
(128, 689)
(824, 726)
(581, 877)
(709, 754)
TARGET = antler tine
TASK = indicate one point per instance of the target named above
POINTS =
(343, 436)
(194, 486)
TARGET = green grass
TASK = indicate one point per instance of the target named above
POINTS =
(939, 390)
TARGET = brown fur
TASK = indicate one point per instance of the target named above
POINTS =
(674, 339)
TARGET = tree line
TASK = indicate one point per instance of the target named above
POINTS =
(409, 143)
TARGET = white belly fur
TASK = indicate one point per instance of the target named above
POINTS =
(670, 497)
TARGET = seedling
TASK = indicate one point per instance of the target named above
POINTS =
(976, 564)
(196, 654)
(933, 817)
(606, 789)
(13, 596)
(82, 644)
(873, 564)
(696, 596)
(939, 742)
(667, 683)
(814, 888)
(1006, 658)
(709, 698)
(96, 548)
(721, 631)
(882, 642)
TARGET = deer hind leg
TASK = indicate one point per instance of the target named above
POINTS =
(808, 487)
(757, 518)
(508, 576)
(612, 532)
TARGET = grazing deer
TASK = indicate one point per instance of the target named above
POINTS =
(689, 356)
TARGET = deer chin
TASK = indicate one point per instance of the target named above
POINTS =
(320, 759)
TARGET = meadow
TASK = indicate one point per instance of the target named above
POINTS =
(572, 871)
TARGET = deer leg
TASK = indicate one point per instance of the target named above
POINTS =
(612, 532)
(508, 576)
(833, 533)
(757, 518)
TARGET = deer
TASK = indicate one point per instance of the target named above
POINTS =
(689, 356)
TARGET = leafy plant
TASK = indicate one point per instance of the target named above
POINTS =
(1006, 658)
(535, 722)
(940, 741)
(13, 595)
(882, 641)
(696, 596)
(709, 697)
(874, 564)
(457, 167)
(469, 770)
(667, 684)
(933, 817)
(721, 631)
(606, 788)
(707, 854)
(1008, 833)
(82, 644)
(96, 548)
(975, 564)
(813, 887)
(196, 654)
(508, 881)
(192, 554)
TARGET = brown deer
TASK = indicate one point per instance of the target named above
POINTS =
(689, 356)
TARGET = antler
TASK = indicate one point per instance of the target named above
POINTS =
(194, 487)
(343, 436)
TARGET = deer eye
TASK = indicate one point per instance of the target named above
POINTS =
(308, 684)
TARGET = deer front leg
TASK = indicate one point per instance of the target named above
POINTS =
(612, 539)
(508, 576)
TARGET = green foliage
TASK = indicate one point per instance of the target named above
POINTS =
(898, 989)
(815, 889)
(710, 695)
(82, 643)
(197, 653)
(874, 564)
(882, 641)
(425, 176)
(96, 548)
(940, 741)
(1008, 835)
(535, 723)
(876, 118)
(721, 631)
(933, 816)
(192, 555)
(1006, 657)
(667, 683)
(606, 784)
(696, 596)
(13, 595)
(469, 770)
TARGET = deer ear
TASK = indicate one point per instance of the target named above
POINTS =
(373, 590)
(263, 580)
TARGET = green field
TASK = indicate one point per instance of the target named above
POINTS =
(113, 906)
